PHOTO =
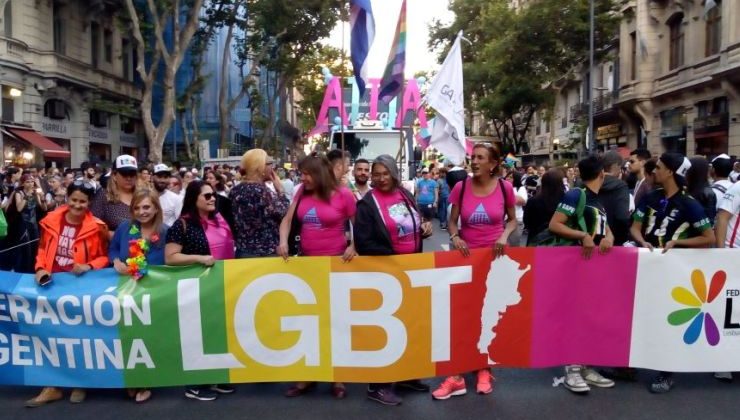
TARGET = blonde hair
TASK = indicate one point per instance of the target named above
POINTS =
(253, 162)
(141, 195)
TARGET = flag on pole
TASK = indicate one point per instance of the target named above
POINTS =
(708, 6)
(362, 35)
(446, 97)
(393, 77)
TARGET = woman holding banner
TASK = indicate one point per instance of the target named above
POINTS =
(388, 223)
(486, 207)
(322, 208)
(200, 236)
(75, 241)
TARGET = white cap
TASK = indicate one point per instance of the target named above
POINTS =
(425, 171)
(161, 167)
(126, 162)
(722, 156)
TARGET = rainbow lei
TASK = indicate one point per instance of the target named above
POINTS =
(137, 249)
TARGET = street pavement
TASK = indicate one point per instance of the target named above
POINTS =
(518, 394)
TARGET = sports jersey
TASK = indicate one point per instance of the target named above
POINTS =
(593, 213)
(670, 219)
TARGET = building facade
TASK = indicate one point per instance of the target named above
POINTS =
(66, 71)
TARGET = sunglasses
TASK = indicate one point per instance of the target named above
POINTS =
(209, 196)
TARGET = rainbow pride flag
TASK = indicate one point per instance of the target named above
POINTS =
(393, 77)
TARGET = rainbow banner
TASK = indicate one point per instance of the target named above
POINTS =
(376, 319)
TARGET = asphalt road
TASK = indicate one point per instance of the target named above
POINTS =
(518, 394)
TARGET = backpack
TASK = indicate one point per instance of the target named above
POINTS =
(547, 238)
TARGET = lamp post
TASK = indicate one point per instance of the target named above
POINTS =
(590, 133)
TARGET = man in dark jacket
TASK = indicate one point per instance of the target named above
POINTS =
(614, 195)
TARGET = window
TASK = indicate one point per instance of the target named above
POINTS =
(702, 109)
(108, 45)
(126, 59)
(60, 43)
(676, 42)
(633, 56)
(719, 105)
(537, 125)
(95, 44)
(8, 109)
(714, 30)
(8, 20)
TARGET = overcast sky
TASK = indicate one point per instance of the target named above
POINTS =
(420, 13)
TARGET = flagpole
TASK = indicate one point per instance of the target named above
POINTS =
(341, 93)
(399, 100)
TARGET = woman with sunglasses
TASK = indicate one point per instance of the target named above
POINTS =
(485, 206)
(200, 236)
(112, 204)
(74, 241)
(323, 208)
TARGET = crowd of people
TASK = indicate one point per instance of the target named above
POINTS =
(85, 219)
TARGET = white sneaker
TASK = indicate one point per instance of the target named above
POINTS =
(723, 376)
(594, 378)
(574, 381)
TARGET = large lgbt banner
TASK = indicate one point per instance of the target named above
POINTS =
(376, 319)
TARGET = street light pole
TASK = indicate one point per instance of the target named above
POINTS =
(590, 134)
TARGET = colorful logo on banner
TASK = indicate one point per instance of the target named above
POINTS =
(695, 302)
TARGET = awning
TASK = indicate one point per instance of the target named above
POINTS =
(48, 147)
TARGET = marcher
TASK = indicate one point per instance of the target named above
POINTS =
(697, 185)
(485, 206)
(257, 210)
(539, 209)
(638, 158)
(72, 240)
(427, 194)
(388, 223)
(667, 218)
(720, 174)
(565, 224)
(171, 203)
(361, 175)
(200, 236)
(521, 197)
(322, 208)
(444, 198)
(112, 204)
(614, 195)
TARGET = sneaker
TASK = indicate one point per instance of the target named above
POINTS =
(414, 385)
(200, 394)
(384, 395)
(574, 380)
(78, 395)
(450, 388)
(47, 395)
(223, 389)
(484, 385)
(661, 384)
(594, 378)
(723, 376)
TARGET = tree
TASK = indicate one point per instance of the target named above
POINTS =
(311, 84)
(516, 55)
(149, 23)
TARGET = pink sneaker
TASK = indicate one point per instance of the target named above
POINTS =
(450, 388)
(485, 386)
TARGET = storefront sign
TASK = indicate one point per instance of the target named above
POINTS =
(711, 123)
(608, 132)
(99, 135)
(55, 128)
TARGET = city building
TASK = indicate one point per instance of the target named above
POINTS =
(68, 86)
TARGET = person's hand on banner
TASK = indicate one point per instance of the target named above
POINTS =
(207, 260)
(80, 269)
(349, 253)
(588, 246)
(282, 251)
(498, 248)
(668, 245)
(461, 245)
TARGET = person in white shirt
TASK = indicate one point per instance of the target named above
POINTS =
(728, 218)
(171, 202)
(288, 185)
(720, 172)
(735, 172)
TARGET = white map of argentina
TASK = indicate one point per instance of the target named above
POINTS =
(502, 291)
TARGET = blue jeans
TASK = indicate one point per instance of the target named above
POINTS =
(442, 211)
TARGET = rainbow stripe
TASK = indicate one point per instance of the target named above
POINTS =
(393, 77)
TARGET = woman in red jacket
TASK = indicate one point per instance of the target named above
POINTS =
(75, 241)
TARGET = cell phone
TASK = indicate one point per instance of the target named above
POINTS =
(45, 280)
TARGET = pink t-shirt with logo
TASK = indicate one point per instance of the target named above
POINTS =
(482, 217)
(403, 229)
(220, 238)
(323, 224)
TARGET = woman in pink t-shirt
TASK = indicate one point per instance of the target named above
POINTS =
(324, 210)
(486, 208)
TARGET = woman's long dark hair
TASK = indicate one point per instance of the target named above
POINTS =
(697, 177)
(322, 174)
(552, 188)
(189, 203)
(516, 178)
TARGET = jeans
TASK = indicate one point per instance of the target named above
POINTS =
(442, 211)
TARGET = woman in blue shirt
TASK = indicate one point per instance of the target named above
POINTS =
(146, 222)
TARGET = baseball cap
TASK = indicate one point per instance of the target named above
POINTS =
(425, 171)
(722, 156)
(162, 168)
(126, 162)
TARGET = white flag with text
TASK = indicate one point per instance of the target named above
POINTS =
(446, 97)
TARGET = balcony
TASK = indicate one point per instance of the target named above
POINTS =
(578, 111)
(604, 102)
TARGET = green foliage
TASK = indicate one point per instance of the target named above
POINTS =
(515, 55)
